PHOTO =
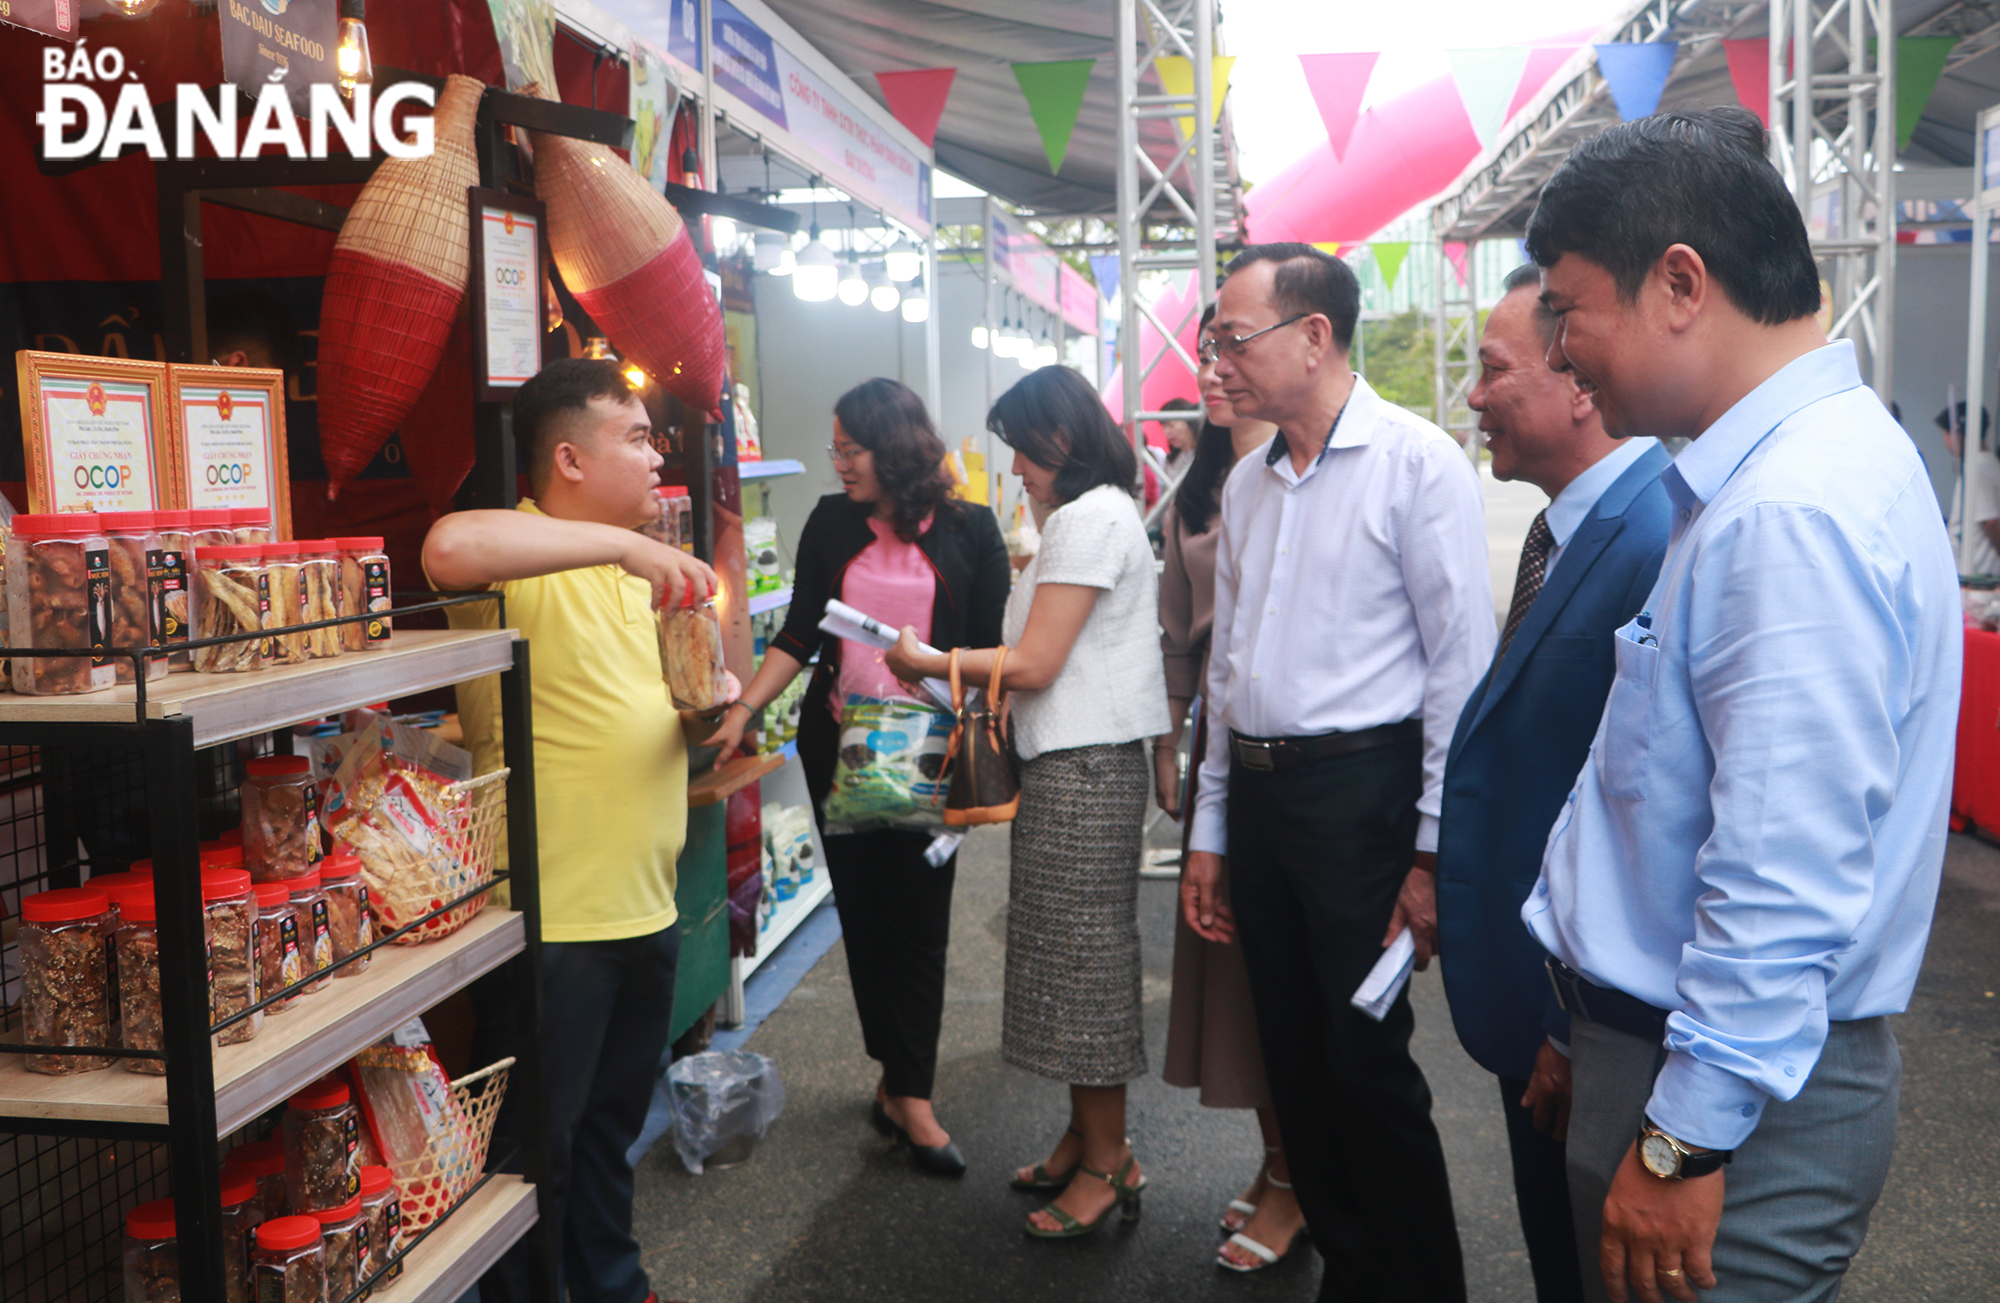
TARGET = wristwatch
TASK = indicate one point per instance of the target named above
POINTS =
(1670, 1160)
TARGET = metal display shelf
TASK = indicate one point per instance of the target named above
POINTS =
(771, 601)
(785, 920)
(297, 1047)
(457, 1254)
(769, 470)
(224, 707)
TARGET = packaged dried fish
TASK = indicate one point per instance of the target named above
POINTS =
(348, 917)
(289, 1265)
(315, 927)
(280, 959)
(64, 979)
(319, 579)
(138, 947)
(133, 540)
(280, 801)
(229, 927)
(288, 603)
(691, 654)
(383, 1204)
(263, 1161)
(59, 597)
(242, 1214)
(152, 1261)
(211, 528)
(364, 586)
(232, 596)
(344, 1232)
(251, 525)
(322, 1131)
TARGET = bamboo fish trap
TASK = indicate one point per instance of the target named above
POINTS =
(394, 287)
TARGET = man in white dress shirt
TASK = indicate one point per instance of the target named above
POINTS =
(1353, 616)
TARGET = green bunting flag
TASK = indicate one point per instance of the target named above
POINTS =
(1389, 257)
(1919, 64)
(1055, 96)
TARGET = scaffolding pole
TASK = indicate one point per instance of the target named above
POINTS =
(1833, 138)
(1455, 344)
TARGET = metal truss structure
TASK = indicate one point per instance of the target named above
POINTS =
(1193, 189)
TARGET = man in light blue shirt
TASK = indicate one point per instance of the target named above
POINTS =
(1740, 887)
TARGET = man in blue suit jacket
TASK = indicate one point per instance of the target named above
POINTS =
(1589, 563)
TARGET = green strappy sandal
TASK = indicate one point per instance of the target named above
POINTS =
(1126, 1204)
(1041, 1180)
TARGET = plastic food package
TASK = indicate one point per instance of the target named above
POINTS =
(724, 1100)
(133, 542)
(674, 524)
(890, 766)
(232, 596)
(691, 654)
(59, 596)
(65, 984)
(409, 1104)
(760, 546)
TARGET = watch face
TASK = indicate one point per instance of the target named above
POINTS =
(1659, 1155)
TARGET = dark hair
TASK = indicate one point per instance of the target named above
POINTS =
(1529, 276)
(1698, 178)
(248, 317)
(1200, 491)
(1307, 281)
(1180, 404)
(562, 388)
(1055, 419)
(889, 420)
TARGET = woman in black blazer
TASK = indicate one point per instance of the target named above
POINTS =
(897, 518)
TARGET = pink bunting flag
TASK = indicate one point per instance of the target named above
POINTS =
(917, 98)
(1454, 250)
(1750, 74)
(1544, 61)
(1337, 83)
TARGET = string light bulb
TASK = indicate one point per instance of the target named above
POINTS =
(353, 66)
(133, 8)
(815, 276)
(917, 306)
(853, 289)
(981, 336)
(903, 261)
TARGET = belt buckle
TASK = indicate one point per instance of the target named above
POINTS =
(1256, 754)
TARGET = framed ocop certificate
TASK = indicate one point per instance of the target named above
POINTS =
(507, 319)
(95, 430)
(229, 441)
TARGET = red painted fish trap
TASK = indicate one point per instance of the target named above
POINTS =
(626, 256)
(393, 288)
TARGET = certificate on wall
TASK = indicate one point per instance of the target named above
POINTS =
(229, 441)
(94, 430)
(507, 319)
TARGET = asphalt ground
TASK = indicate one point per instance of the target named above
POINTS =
(826, 1210)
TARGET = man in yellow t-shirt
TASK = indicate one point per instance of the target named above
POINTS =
(610, 759)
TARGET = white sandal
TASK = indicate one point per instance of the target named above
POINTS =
(1243, 1207)
(1266, 1257)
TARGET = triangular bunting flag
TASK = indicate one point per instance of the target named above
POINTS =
(1454, 252)
(1636, 72)
(1543, 63)
(1177, 78)
(1389, 257)
(1486, 80)
(1750, 74)
(1919, 63)
(1337, 83)
(1331, 248)
(1054, 92)
(917, 98)
(1104, 268)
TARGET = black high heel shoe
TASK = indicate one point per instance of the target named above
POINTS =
(932, 1160)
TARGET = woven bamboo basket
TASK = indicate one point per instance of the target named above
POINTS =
(456, 1155)
(394, 286)
(461, 859)
(626, 256)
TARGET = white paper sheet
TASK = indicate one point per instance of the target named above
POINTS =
(1385, 981)
(843, 621)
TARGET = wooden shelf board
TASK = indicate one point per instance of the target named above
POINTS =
(771, 601)
(452, 1260)
(316, 1034)
(725, 781)
(229, 706)
(769, 470)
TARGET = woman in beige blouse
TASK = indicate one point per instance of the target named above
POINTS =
(1212, 1031)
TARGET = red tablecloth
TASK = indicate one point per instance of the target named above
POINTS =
(1975, 788)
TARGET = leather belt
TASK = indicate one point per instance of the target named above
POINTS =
(1273, 753)
(1604, 1005)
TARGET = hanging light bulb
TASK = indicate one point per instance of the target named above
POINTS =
(917, 307)
(133, 8)
(904, 261)
(853, 289)
(1045, 353)
(773, 254)
(352, 65)
(882, 293)
(1003, 338)
(816, 275)
(981, 336)
(723, 231)
(634, 376)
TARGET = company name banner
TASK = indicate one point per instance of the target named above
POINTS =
(1041, 277)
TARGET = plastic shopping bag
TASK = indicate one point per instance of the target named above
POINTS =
(724, 1101)
(891, 760)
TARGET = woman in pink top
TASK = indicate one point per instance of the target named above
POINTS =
(897, 545)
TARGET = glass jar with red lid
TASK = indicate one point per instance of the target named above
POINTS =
(322, 1134)
(65, 978)
(263, 1160)
(232, 598)
(315, 927)
(349, 920)
(280, 801)
(151, 1257)
(280, 957)
(251, 525)
(229, 927)
(364, 588)
(59, 598)
(289, 1265)
(211, 528)
(344, 1232)
(383, 1204)
(242, 1214)
(137, 946)
(288, 603)
(133, 540)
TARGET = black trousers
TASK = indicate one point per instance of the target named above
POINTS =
(1317, 855)
(608, 1005)
(1541, 1193)
(895, 920)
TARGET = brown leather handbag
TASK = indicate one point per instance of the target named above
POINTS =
(984, 787)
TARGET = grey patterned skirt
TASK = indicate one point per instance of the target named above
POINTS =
(1072, 1008)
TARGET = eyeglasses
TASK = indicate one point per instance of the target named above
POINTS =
(1213, 346)
(843, 456)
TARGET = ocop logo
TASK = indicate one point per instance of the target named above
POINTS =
(102, 477)
(508, 276)
(228, 473)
